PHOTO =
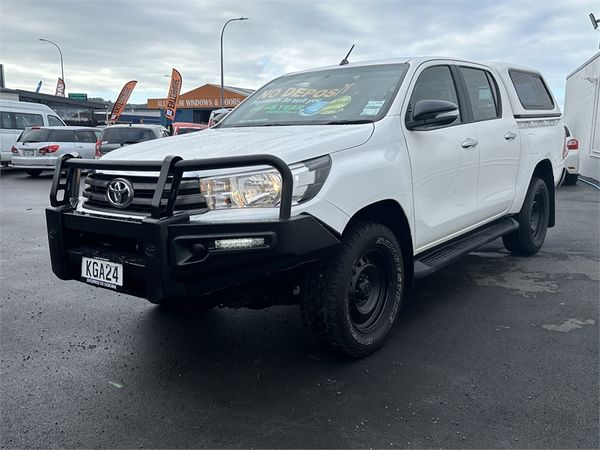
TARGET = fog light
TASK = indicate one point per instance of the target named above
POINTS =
(239, 243)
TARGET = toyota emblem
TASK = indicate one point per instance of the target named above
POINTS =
(119, 193)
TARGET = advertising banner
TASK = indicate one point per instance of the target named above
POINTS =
(122, 99)
(60, 88)
(173, 95)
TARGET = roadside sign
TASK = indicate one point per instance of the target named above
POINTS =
(76, 96)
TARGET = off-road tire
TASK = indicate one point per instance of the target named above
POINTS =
(338, 292)
(571, 179)
(533, 221)
(34, 173)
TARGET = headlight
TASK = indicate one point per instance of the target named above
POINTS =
(263, 189)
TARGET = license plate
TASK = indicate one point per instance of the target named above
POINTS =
(27, 152)
(102, 273)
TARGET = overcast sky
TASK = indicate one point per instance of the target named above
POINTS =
(106, 43)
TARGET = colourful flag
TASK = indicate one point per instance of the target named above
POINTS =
(173, 95)
(60, 88)
(122, 99)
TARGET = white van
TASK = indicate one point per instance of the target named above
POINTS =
(16, 116)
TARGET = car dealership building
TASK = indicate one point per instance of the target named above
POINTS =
(197, 104)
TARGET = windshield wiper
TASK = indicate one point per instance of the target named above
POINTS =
(346, 122)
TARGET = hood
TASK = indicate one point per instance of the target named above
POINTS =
(290, 143)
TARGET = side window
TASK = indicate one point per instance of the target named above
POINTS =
(435, 83)
(531, 90)
(5, 121)
(24, 120)
(63, 136)
(54, 121)
(483, 93)
(85, 136)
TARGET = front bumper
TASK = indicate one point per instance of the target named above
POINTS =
(171, 258)
(167, 256)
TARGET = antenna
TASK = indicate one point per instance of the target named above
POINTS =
(345, 61)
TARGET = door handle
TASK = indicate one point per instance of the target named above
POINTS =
(510, 136)
(467, 143)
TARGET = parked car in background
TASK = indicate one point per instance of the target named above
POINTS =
(117, 136)
(217, 115)
(15, 117)
(37, 148)
(572, 157)
(187, 127)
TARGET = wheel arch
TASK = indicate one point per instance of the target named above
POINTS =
(543, 170)
(391, 214)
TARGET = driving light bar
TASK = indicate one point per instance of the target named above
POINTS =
(239, 243)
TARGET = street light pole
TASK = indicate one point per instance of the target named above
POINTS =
(222, 84)
(62, 71)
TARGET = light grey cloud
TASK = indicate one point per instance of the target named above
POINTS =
(106, 43)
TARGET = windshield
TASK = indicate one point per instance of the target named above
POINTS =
(125, 135)
(334, 96)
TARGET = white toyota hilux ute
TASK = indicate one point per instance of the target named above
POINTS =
(331, 188)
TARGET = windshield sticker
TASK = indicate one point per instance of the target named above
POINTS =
(302, 101)
(372, 107)
(336, 105)
(313, 108)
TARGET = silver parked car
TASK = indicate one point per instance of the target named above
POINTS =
(37, 148)
(117, 136)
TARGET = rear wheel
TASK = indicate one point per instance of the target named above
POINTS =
(571, 178)
(533, 221)
(34, 172)
(352, 300)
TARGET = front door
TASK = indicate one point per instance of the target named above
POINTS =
(445, 163)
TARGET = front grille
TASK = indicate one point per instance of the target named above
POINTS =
(188, 196)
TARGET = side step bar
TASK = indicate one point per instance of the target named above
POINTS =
(436, 258)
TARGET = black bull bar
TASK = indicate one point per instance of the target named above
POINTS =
(171, 170)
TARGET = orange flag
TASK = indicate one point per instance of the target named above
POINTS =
(173, 95)
(122, 99)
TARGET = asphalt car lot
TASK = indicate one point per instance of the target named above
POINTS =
(495, 351)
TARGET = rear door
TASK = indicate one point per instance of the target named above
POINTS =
(499, 141)
(444, 161)
(86, 143)
(66, 140)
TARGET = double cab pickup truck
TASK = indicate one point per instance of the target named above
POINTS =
(333, 189)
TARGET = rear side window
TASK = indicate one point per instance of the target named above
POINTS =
(35, 135)
(24, 120)
(54, 121)
(63, 136)
(531, 90)
(126, 135)
(483, 93)
(85, 136)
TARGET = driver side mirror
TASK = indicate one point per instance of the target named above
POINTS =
(432, 113)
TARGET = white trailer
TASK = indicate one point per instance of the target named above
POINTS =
(582, 113)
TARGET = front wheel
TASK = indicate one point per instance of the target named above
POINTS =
(533, 221)
(352, 300)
